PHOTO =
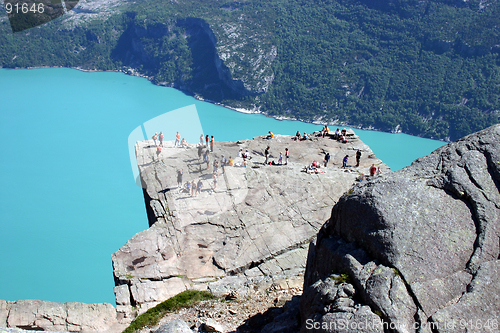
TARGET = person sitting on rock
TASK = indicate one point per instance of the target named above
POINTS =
(231, 161)
(324, 131)
(297, 136)
(336, 136)
(361, 177)
(270, 136)
(304, 137)
(373, 170)
(184, 143)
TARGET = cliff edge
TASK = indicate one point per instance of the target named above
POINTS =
(249, 230)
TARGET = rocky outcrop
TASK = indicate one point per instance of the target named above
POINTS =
(250, 231)
(420, 246)
(69, 317)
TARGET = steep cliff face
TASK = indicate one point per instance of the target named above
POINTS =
(420, 246)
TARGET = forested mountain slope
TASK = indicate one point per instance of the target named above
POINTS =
(429, 68)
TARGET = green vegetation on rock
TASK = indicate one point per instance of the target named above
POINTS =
(152, 317)
(429, 68)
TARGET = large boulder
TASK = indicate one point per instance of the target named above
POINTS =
(421, 245)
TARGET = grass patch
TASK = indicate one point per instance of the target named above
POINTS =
(342, 278)
(151, 317)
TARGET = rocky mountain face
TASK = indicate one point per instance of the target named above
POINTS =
(416, 250)
(34, 315)
(230, 62)
(250, 230)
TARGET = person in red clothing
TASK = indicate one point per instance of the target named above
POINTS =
(161, 136)
(373, 169)
(206, 139)
(177, 139)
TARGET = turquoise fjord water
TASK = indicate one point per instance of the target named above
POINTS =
(68, 198)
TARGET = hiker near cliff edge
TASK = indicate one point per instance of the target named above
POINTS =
(161, 136)
(179, 177)
(327, 159)
(344, 161)
(177, 139)
(358, 157)
(266, 154)
(287, 154)
(155, 137)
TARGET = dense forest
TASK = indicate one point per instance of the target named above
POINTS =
(428, 68)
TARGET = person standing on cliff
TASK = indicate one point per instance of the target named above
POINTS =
(215, 180)
(155, 137)
(179, 177)
(223, 163)
(266, 154)
(212, 144)
(201, 139)
(200, 151)
(358, 157)
(199, 186)
(327, 159)
(177, 139)
(216, 167)
(344, 161)
(161, 136)
(287, 154)
(193, 188)
(206, 139)
(207, 158)
(158, 152)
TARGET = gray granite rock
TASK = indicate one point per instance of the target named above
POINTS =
(4, 313)
(324, 309)
(175, 326)
(422, 244)
(252, 229)
(50, 316)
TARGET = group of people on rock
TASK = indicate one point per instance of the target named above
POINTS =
(314, 167)
(299, 137)
(340, 136)
(373, 171)
(180, 143)
(158, 141)
(191, 187)
(282, 156)
(209, 142)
